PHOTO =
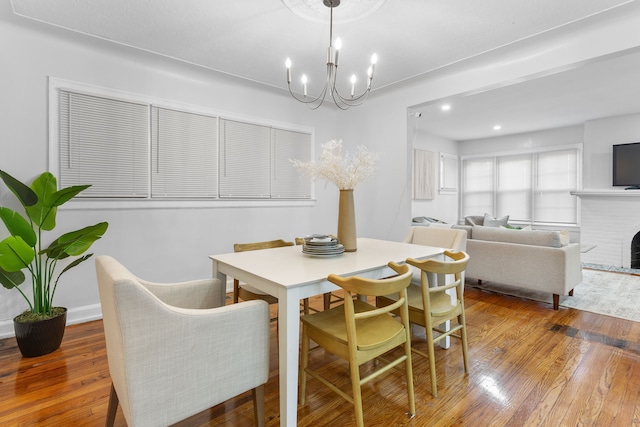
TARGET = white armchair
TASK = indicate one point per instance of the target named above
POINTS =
(450, 238)
(175, 350)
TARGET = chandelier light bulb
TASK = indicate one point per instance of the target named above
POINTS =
(353, 84)
(304, 85)
(287, 64)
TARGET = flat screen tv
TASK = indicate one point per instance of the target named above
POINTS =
(626, 165)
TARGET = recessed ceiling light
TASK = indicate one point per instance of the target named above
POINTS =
(445, 107)
(497, 127)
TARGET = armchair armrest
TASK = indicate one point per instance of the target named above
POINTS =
(203, 293)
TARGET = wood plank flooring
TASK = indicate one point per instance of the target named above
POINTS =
(530, 366)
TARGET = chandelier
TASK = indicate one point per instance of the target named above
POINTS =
(343, 102)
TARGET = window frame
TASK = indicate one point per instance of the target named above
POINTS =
(56, 84)
(534, 152)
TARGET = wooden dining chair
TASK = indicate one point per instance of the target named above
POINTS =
(328, 298)
(358, 332)
(430, 305)
(246, 292)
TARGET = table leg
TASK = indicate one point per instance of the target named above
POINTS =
(223, 280)
(289, 333)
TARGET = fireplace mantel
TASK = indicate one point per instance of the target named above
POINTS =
(606, 193)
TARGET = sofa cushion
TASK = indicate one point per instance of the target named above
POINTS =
(523, 237)
(490, 221)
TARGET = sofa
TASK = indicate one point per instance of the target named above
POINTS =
(542, 261)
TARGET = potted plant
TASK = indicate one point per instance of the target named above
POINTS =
(40, 328)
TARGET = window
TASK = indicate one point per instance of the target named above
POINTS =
(131, 147)
(184, 154)
(103, 142)
(529, 187)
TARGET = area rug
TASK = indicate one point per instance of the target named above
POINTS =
(611, 293)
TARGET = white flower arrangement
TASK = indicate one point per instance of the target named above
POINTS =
(345, 170)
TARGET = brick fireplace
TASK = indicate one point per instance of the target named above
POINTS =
(610, 224)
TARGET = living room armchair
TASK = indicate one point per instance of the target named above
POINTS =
(173, 349)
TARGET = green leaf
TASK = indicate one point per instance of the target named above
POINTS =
(25, 194)
(76, 262)
(18, 226)
(15, 254)
(11, 279)
(76, 242)
(43, 213)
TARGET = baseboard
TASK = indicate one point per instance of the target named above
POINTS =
(83, 314)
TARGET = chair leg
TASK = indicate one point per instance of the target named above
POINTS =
(304, 362)
(236, 290)
(258, 405)
(432, 359)
(327, 300)
(409, 373)
(463, 336)
(357, 393)
(112, 408)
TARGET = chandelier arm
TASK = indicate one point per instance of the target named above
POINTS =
(344, 104)
(310, 102)
(352, 99)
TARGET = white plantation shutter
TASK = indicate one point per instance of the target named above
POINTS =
(286, 181)
(245, 160)
(184, 154)
(103, 142)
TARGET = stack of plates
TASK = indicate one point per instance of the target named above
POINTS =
(321, 245)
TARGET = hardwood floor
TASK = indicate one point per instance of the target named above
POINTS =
(529, 366)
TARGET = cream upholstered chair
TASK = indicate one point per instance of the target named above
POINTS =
(359, 332)
(450, 238)
(430, 306)
(173, 349)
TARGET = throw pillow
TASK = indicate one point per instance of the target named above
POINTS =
(490, 221)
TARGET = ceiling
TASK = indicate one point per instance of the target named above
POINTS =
(251, 39)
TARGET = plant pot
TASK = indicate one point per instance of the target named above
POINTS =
(40, 337)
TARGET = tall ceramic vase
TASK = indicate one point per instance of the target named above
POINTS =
(347, 221)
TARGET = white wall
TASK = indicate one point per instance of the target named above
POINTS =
(599, 136)
(173, 244)
(443, 206)
(523, 141)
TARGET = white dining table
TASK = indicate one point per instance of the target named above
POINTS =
(291, 275)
